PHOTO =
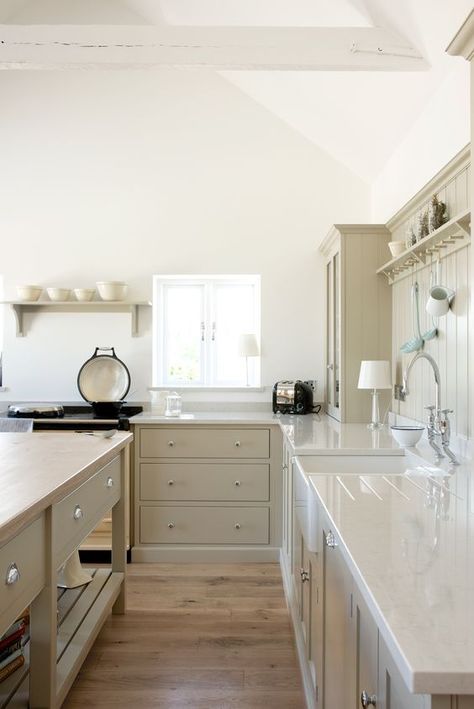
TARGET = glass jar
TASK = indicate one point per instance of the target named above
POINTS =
(174, 404)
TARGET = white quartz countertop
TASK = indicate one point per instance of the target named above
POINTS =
(38, 469)
(311, 434)
(409, 542)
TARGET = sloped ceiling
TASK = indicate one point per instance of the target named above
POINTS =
(358, 117)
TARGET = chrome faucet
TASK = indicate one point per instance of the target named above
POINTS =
(439, 424)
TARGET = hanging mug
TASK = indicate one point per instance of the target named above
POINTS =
(439, 301)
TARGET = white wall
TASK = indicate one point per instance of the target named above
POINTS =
(119, 175)
(441, 131)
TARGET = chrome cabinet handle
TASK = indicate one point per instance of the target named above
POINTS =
(304, 575)
(13, 575)
(78, 513)
(367, 700)
(237, 444)
(284, 466)
(170, 525)
(237, 483)
(237, 525)
(110, 482)
(170, 482)
(329, 366)
(331, 540)
(171, 444)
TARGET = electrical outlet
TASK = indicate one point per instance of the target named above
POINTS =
(398, 392)
(312, 383)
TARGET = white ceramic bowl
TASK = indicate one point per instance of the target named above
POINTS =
(112, 290)
(407, 436)
(396, 247)
(84, 293)
(29, 292)
(58, 294)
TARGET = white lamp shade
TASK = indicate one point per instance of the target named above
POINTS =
(375, 374)
(248, 345)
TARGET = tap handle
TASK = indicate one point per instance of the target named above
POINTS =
(430, 408)
(447, 411)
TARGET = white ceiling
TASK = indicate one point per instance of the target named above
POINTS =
(358, 117)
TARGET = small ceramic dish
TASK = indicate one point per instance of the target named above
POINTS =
(84, 294)
(58, 294)
(112, 290)
(396, 247)
(407, 436)
(30, 293)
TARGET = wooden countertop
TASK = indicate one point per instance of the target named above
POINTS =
(38, 469)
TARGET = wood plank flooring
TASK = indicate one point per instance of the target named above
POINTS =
(200, 636)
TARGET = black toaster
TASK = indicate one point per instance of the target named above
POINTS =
(292, 397)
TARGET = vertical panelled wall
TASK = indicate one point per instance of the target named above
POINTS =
(450, 348)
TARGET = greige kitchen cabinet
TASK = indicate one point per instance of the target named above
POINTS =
(366, 652)
(207, 492)
(358, 315)
(392, 692)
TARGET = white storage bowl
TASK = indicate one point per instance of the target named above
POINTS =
(84, 293)
(58, 294)
(407, 436)
(29, 292)
(396, 247)
(112, 290)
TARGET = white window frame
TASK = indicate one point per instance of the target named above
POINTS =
(207, 282)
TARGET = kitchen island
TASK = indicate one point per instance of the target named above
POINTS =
(55, 488)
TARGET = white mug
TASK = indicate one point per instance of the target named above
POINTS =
(158, 402)
(439, 301)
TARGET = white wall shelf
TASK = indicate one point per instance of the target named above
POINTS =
(22, 306)
(453, 235)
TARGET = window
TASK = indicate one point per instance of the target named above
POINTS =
(197, 323)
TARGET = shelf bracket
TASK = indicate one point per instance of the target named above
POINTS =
(134, 317)
(18, 312)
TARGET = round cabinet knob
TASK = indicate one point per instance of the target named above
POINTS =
(237, 483)
(368, 700)
(331, 540)
(171, 444)
(329, 366)
(78, 513)
(237, 444)
(304, 575)
(13, 575)
(237, 525)
(170, 482)
(170, 525)
(110, 482)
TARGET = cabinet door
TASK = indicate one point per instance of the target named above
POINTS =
(392, 690)
(339, 660)
(287, 477)
(316, 626)
(297, 565)
(333, 335)
(366, 644)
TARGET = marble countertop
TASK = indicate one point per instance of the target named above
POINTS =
(409, 542)
(38, 469)
(211, 417)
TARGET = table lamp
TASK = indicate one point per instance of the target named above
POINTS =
(248, 347)
(375, 374)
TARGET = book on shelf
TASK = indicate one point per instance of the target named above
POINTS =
(13, 647)
(13, 665)
(16, 653)
(9, 639)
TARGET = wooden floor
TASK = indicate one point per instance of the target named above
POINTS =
(195, 635)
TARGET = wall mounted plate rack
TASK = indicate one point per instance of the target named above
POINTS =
(449, 237)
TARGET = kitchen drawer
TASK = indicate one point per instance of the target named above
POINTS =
(173, 442)
(27, 551)
(205, 481)
(77, 515)
(204, 525)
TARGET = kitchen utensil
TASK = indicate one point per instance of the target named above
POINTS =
(173, 404)
(84, 293)
(433, 332)
(407, 436)
(396, 247)
(58, 294)
(100, 434)
(112, 290)
(439, 301)
(104, 381)
(416, 342)
(29, 293)
(35, 411)
(292, 397)
(158, 401)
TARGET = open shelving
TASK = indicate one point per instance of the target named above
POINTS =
(450, 236)
(19, 307)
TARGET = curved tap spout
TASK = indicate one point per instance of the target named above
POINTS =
(437, 378)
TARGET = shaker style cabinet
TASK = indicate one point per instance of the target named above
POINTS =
(358, 315)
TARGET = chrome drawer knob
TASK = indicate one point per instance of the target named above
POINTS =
(237, 483)
(110, 482)
(331, 540)
(237, 444)
(368, 700)
(13, 575)
(78, 513)
(171, 444)
(170, 482)
(304, 575)
(237, 525)
(170, 525)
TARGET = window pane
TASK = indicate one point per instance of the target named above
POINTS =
(183, 315)
(234, 315)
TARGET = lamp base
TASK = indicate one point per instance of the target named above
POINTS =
(374, 426)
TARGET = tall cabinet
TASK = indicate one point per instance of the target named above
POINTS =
(358, 316)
